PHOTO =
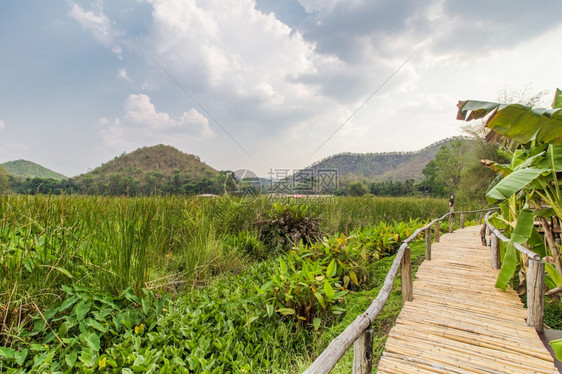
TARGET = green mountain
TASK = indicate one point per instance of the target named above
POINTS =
(396, 166)
(28, 169)
(158, 169)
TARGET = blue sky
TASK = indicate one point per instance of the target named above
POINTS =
(258, 84)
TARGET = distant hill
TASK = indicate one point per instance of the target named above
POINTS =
(28, 169)
(151, 170)
(396, 166)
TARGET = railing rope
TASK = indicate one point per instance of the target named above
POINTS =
(356, 329)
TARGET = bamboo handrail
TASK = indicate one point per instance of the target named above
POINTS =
(503, 238)
(339, 345)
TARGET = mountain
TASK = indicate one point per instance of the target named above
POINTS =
(28, 169)
(152, 170)
(396, 166)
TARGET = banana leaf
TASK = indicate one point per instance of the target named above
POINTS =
(519, 122)
(513, 183)
(509, 265)
(523, 231)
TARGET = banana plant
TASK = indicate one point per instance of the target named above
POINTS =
(530, 181)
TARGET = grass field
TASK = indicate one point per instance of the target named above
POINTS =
(101, 283)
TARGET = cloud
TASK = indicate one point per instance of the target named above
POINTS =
(98, 24)
(142, 124)
(356, 30)
(2, 124)
(122, 73)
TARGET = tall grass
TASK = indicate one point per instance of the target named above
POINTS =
(111, 243)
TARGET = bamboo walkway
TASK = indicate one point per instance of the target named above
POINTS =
(459, 322)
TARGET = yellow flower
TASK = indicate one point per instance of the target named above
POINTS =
(164, 310)
(139, 329)
(103, 363)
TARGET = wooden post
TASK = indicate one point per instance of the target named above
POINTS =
(406, 272)
(452, 211)
(489, 233)
(535, 295)
(481, 218)
(363, 353)
(483, 235)
(428, 244)
(436, 232)
(462, 221)
(495, 246)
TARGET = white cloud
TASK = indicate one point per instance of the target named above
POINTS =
(2, 124)
(98, 24)
(142, 124)
(122, 73)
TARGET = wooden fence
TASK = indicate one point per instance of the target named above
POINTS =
(359, 332)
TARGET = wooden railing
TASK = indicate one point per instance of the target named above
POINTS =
(534, 276)
(359, 332)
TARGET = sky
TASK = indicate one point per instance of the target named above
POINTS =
(259, 84)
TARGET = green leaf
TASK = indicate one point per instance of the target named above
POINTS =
(513, 183)
(29, 264)
(82, 308)
(20, 356)
(557, 347)
(320, 299)
(67, 303)
(283, 266)
(8, 353)
(332, 269)
(286, 311)
(93, 341)
(353, 277)
(524, 227)
(316, 323)
(509, 265)
(554, 274)
(328, 290)
(269, 309)
(70, 358)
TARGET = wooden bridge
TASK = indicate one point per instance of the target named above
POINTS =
(458, 322)
(454, 320)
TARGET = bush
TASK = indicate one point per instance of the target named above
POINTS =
(287, 226)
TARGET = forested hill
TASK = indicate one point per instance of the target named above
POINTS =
(151, 170)
(28, 169)
(397, 166)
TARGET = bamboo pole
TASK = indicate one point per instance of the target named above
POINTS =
(436, 231)
(483, 235)
(452, 212)
(535, 295)
(406, 273)
(495, 246)
(428, 244)
(363, 353)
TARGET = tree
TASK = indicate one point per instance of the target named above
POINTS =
(443, 174)
(4, 180)
(357, 189)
